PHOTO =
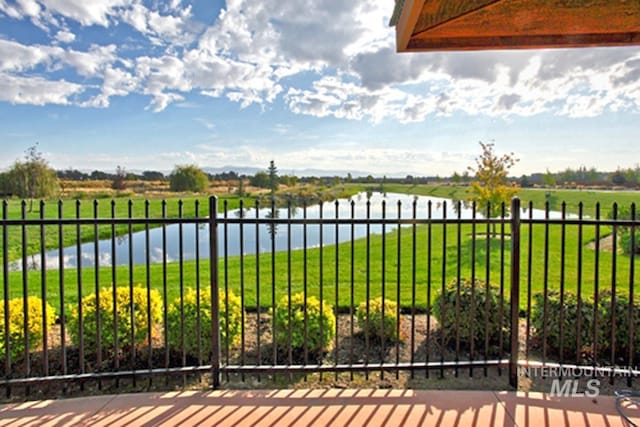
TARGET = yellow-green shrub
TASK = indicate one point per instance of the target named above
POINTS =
(123, 314)
(232, 318)
(372, 324)
(315, 341)
(35, 325)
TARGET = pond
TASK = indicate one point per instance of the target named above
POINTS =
(195, 238)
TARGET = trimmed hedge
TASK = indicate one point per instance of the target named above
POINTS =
(373, 324)
(35, 326)
(123, 299)
(232, 318)
(316, 342)
(569, 312)
(475, 308)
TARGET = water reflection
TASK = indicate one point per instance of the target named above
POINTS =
(259, 238)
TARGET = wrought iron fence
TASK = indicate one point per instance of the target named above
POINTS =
(265, 290)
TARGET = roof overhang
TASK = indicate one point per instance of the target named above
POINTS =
(432, 25)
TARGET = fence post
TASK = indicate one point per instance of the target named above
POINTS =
(515, 291)
(214, 287)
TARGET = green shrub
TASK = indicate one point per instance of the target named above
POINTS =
(372, 325)
(188, 178)
(122, 314)
(625, 242)
(569, 310)
(486, 309)
(316, 343)
(35, 325)
(233, 318)
(566, 310)
(605, 322)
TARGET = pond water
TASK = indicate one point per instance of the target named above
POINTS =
(195, 238)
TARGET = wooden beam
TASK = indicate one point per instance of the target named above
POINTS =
(543, 17)
(436, 12)
(516, 24)
(429, 44)
(407, 22)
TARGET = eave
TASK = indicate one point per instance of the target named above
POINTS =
(434, 25)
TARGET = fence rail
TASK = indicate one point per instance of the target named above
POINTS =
(275, 289)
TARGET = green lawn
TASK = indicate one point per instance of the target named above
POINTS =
(429, 272)
(539, 197)
(431, 269)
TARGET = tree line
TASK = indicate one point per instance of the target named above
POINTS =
(31, 178)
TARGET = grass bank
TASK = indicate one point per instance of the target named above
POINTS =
(370, 268)
(538, 197)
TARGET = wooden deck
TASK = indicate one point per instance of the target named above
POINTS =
(334, 407)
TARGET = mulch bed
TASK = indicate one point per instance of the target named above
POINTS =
(423, 344)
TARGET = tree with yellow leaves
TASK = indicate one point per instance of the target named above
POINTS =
(491, 186)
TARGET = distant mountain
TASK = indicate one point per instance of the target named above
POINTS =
(247, 170)
(242, 170)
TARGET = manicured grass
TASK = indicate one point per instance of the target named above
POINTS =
(370, 272)
(539, 197)
(432, 269)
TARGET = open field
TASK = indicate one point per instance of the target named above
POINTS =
(432, 269)
(539, 197)
(368, 270)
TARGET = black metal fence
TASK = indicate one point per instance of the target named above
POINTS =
(430, 289)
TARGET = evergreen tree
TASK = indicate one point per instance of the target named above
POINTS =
(273, 177)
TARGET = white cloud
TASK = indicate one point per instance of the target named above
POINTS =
(36, 90)
(16, 57)
(65, 36)
(116, 82)
(321, 57)
(85, 12)
(344, 156)
(91, 63)
(21, 8)
(159, 28)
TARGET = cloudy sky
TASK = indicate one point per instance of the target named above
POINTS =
(308, 83)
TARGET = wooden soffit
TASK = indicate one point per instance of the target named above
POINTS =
(429, 25)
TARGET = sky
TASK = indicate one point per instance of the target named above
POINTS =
(310, 84)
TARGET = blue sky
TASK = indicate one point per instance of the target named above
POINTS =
(307, 83)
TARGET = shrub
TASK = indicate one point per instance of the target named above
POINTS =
(373, 324)
(625, 213)
(233, 318)
(605, 323)
(188, 178)
(122, 314)
(35, 325)
(486, 309)
(570, 320)
(316, 342)
(568, 312)
(626, 242)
